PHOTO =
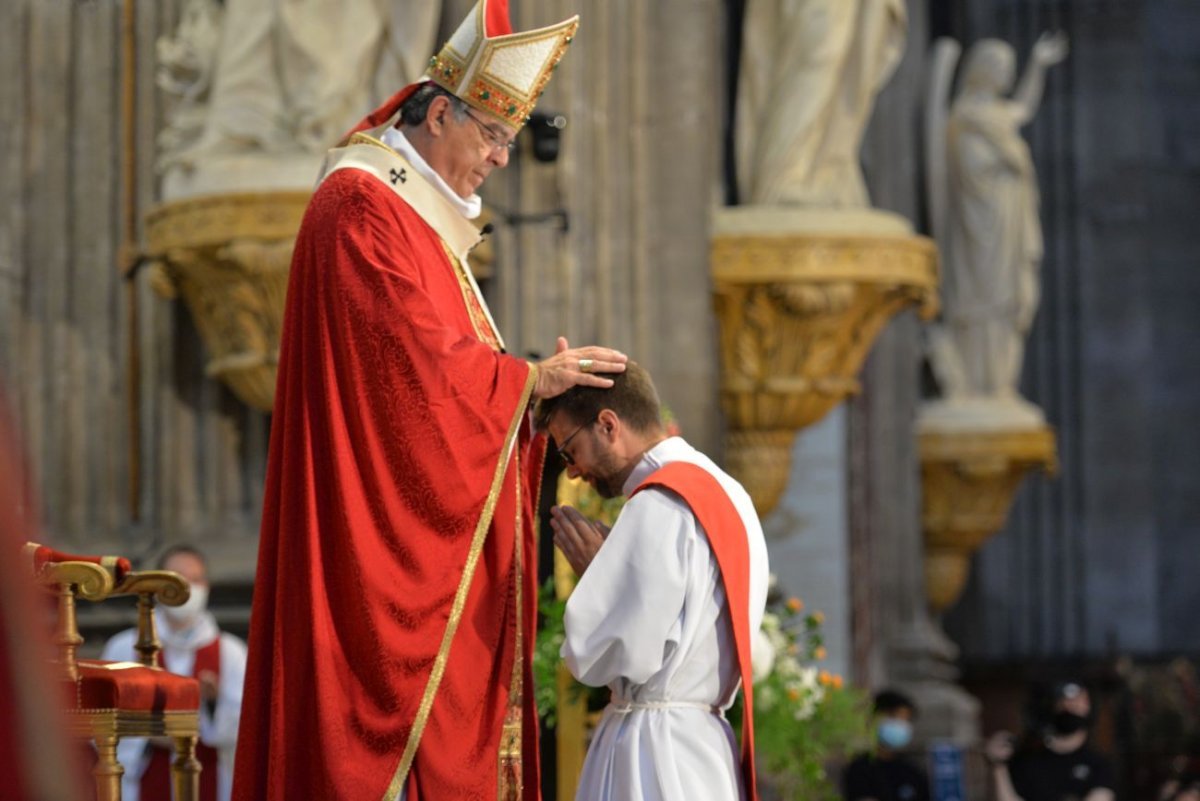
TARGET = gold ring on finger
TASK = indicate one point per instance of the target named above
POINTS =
(585, 365)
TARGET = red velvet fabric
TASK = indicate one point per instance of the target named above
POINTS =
(727, 538)
(120, 566)
(389, 422)
(134, 688)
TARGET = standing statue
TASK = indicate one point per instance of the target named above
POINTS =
(810, 72)
(290, 75)
(984, 211)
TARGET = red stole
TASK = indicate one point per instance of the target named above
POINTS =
(156, 781)
(726, 532)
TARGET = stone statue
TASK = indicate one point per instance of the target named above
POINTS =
(185, 67)
(984, 210)
(810, 72)
(284, 78)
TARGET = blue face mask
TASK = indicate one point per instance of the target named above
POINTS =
(894, 733)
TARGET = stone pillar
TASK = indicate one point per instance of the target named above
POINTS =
(897, 642)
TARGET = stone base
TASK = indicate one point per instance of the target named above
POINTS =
(980, 415)
(228, 257)
(231, 172)
(947, 712)
(801, 295)
(969, 477)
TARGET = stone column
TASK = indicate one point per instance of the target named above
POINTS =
(897, 642)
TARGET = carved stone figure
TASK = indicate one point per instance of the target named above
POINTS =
(984, 208)
(185, 67)
(286, 76)
(810, 72)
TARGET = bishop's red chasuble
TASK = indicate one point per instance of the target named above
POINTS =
(394, 607)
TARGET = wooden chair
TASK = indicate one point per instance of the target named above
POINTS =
(106, 701)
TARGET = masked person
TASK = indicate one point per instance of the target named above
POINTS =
(1061, 766)
(887, 775)
(192, 645)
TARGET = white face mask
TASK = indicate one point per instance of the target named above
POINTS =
(191, 609)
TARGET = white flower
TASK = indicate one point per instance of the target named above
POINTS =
(762, 656)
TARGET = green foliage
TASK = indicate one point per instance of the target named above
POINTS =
(804, 717)
(545, 653)
(546, 661)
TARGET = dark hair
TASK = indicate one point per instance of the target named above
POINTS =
(632, 396)
(892, 701)
(181, 549)
(414, 110)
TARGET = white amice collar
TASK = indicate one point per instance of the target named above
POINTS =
(470, 207)
(671, 449)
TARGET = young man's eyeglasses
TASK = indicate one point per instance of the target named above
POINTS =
(567, 458)
(497, 141)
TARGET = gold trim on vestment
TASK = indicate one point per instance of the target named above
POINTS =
(508, 755)
(460, 596)
(480, 320)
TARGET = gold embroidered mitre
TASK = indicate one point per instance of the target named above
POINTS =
(495, 70)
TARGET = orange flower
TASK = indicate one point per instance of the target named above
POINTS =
(825, 677)
(795, 604)
(819, 617)
(819, 653)
(837, 682)
(794, 694)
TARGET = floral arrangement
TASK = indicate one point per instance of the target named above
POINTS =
(804, 717)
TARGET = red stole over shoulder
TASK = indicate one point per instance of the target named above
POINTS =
(726, 532)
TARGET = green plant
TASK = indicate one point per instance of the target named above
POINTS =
(804, 717)
(546, 662)
(545, 653)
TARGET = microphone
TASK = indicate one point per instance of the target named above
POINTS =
(486, 229)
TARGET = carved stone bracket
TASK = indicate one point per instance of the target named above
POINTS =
(227, 257)
(968, 481)
(798, 313)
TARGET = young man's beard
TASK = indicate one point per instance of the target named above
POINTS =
(606, 477)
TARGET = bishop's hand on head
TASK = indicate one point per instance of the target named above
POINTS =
(570, 367)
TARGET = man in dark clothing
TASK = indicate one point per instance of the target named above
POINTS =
(887, 775)
(1061, 767)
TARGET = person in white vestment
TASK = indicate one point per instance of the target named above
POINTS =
(192, 646)
(649, 616)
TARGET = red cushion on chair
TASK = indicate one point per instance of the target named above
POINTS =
(132, 687)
